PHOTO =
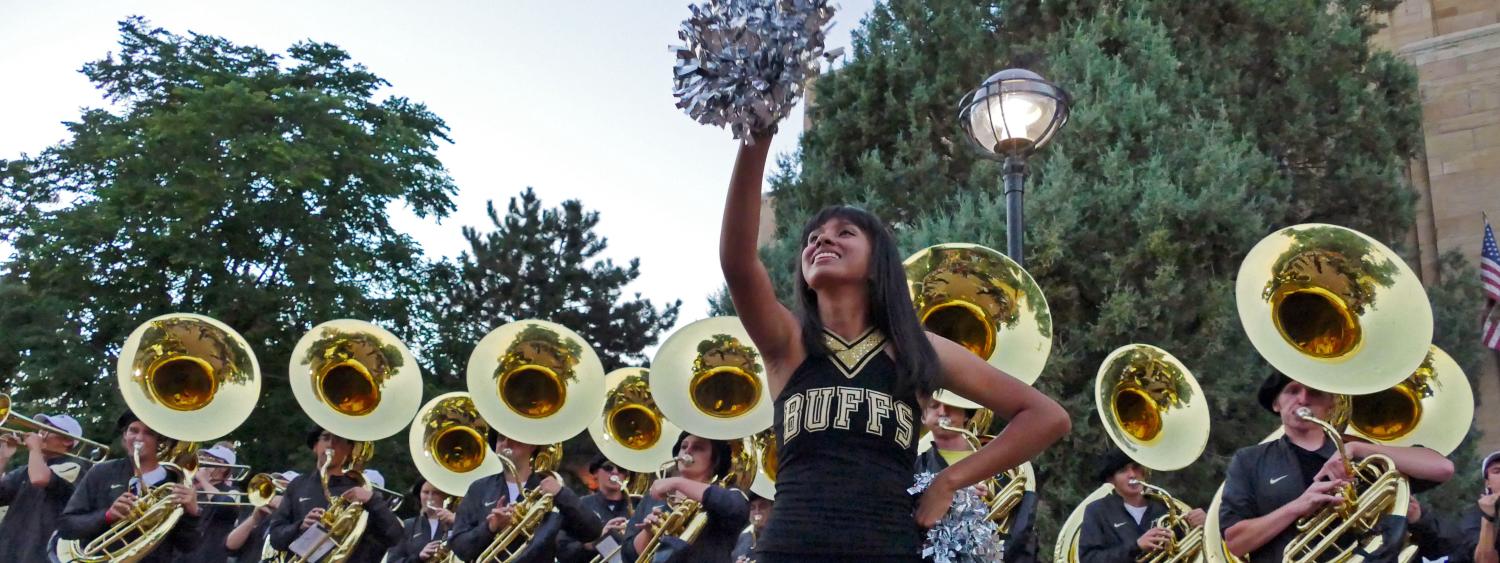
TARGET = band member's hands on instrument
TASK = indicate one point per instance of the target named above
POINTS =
(499, 518)
(358, 494)
(120, 508)
(430, 549)
(1154, 539)
(38, 487)
(1487, 505)
(616, 524)
(1196, 517)
(312, 518)
(550, 485)
(443, 515)
(187, 498)
(1478, 537)
(651, 520)
(9, 443)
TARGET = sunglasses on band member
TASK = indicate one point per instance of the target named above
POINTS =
(612, 468)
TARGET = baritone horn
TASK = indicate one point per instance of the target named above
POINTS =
(191, 379)
(538, 383)
(17, 424)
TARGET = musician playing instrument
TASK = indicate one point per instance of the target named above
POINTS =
(306, 501)
(108, 493)
(425, 532)
(38, 488)
(948, 447)
(1478, 535)
(760, 515)
(1119, 527)
(846, 372)
(699, 462)
(217, 520)
(611, 504)
(487, 508)
(249, 536)
(1271, 485)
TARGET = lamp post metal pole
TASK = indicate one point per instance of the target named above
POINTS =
(1015, 220)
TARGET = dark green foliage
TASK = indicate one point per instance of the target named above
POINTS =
(1198, 128)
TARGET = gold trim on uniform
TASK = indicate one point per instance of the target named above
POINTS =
(852, 357)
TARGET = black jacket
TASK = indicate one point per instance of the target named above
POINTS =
(26, 537)
(216, 521)
(1108, 533)
(83, 518)
(1020, 542)
(1466, 539)
(471, 534)
(1267, 476)
(303, 494)
(571, 549)
(728, 511)
(254, 545)
(418, 533)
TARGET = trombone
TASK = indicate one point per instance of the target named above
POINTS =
(259, 492)
(236, 472)
(15, 424)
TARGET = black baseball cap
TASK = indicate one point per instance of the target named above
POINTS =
(1270, 388)
(1107, 463)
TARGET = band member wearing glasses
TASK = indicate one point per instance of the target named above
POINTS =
(111, 490)
(296, 520)
(1271, 485)
(1121, 526)
(847, 370)
(488, 508)
(38, 489)
(700, 462)
(610, 504)
(949, 447)
(426, 531)
(1478, 536)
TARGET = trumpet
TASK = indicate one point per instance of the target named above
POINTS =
(16, 424)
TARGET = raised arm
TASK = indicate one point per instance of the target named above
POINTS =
(1035, 422)
(770, 324)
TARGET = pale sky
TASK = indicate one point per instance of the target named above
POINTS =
(571, 98)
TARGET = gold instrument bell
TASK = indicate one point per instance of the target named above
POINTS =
(536, 382)
(984, 301)
(766, 463)
(188, 377)
(1152, 407)
(709, 379)
(1433, 407)
(631, 430)
(448, 446)
(355, 379)
(1333, 309)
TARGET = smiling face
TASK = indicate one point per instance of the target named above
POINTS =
(835, 252)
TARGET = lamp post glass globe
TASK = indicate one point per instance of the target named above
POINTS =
(1014, 113)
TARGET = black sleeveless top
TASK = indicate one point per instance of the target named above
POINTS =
(846, 447)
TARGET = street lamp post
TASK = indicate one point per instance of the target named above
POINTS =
(1011, 115)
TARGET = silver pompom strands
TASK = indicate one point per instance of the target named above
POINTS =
(964, 535)
(743, 63)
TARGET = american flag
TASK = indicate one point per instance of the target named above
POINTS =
(1489, 273)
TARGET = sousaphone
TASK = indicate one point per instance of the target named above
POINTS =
(631, 430)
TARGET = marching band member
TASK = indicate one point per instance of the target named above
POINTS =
(699, 462)
(610, 504)
(245, 541)
(109, 490)
(1271, 485)
(38, 489)
(487, 508)
(1478, 537)
(305, 502)
(847, 371)
(949, 447)
(217, 520)
(426, 531)
(760, 514)
(1119, 527)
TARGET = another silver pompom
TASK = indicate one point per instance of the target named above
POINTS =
(964, 535)
(743, 62)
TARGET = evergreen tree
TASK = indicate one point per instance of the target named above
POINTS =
(226, 181)
(1198, 128)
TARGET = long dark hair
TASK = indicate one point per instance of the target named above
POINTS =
(890, 302)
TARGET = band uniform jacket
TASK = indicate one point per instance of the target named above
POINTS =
(26, 538)
(1108, 533)
(418, 534)
(571, 550)
(471, 534)
(305, 493)
(215, 521)
(728, 512)
(1466, 540)
(83, 518)
(1021, 542)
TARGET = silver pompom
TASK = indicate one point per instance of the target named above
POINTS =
(964, 535)
(743, 63)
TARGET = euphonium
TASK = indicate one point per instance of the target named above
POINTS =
(1153, 410)
(359, 382)
(191, 379)
(1336, 532)
(534, 382)
(686, 520)
(1004, 492)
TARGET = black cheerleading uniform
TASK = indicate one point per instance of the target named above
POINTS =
(847, 442)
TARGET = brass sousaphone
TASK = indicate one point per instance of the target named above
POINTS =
(448, 447)
(191, 379)
(1153, 410)
(359, 382)
(537, 383)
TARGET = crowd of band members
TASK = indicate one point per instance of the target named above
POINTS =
(1269, 486)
